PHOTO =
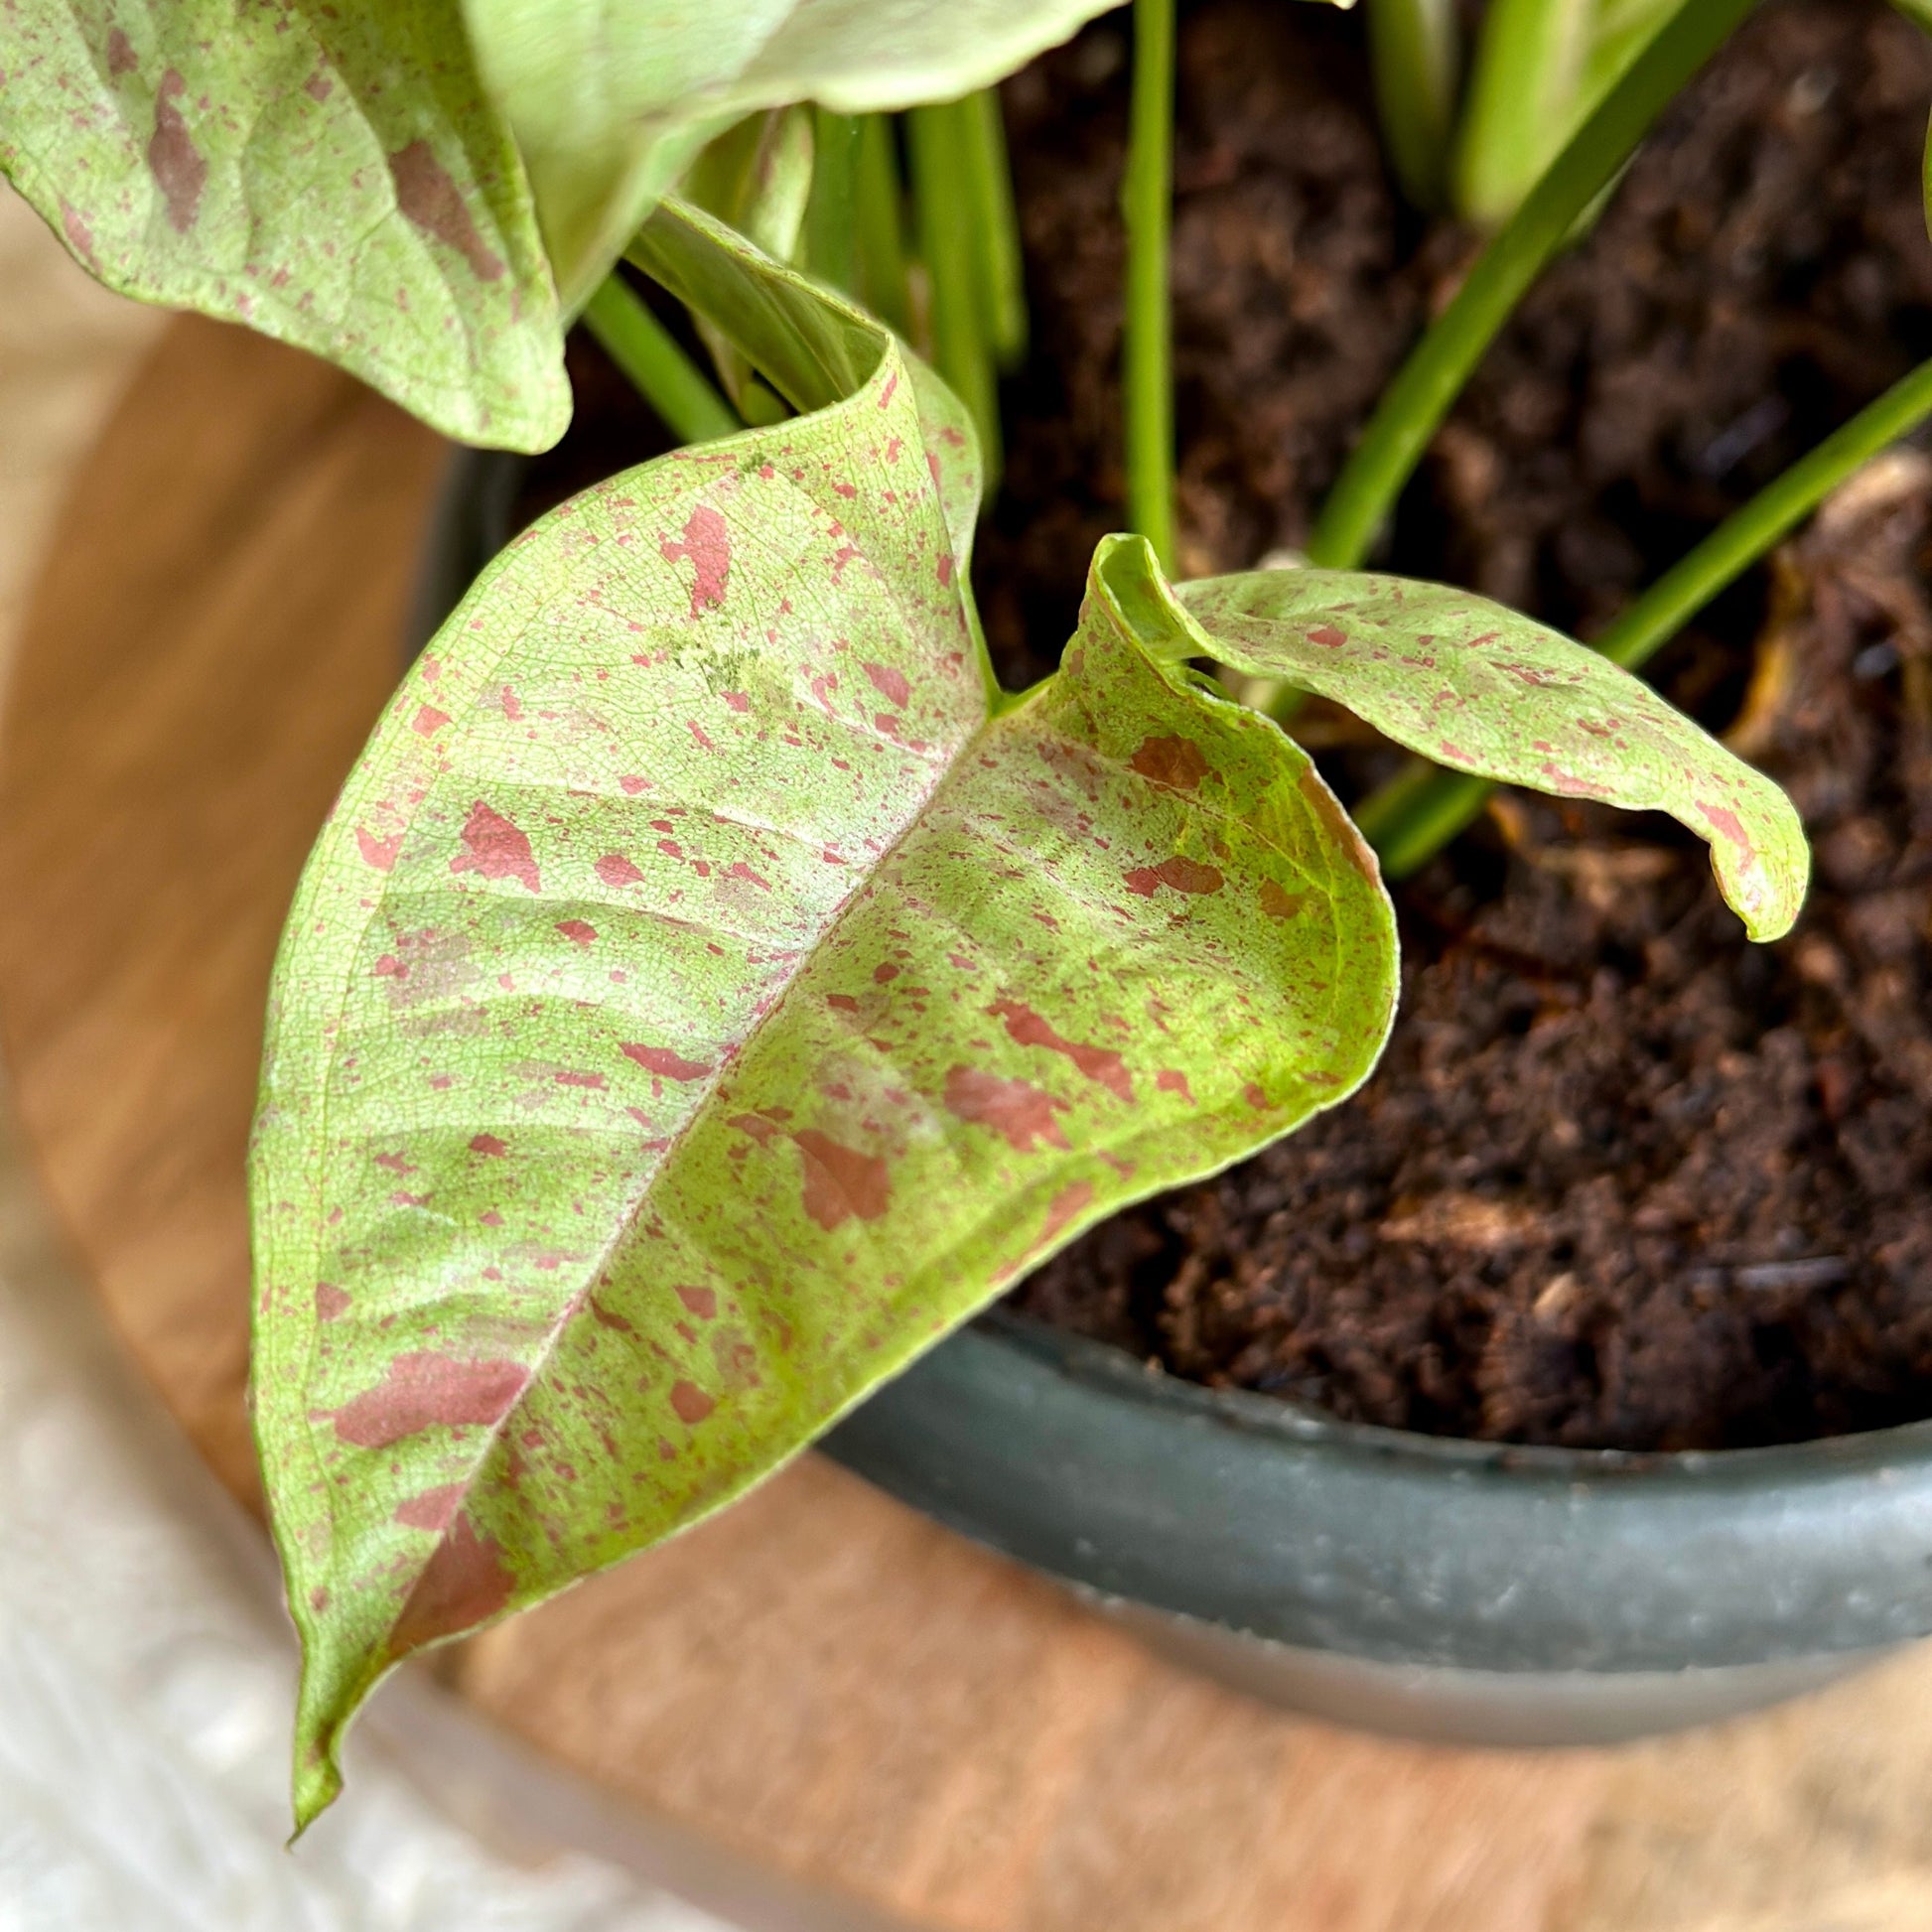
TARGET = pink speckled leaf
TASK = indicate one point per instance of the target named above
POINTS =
(1477, 688)
(332, 176)
(709, 991)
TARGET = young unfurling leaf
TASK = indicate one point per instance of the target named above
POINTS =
(332, 176)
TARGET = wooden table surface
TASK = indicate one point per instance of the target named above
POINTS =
(819, 1677)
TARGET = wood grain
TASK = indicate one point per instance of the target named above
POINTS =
(818, 1677)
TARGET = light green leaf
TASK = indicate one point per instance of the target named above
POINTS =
(611, 99)
(709, 991)
(330, 176)
(1477, 688)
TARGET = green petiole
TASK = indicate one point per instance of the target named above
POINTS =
(1146, 376)
(879, 219)
(941, 146)
(658, 367)
(1411, 817)
(999, 269)
(1415, 404)
(831, 252)
(1416, 51)
(1523, 92)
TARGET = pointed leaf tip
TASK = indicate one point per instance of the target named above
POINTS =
(1474, 687)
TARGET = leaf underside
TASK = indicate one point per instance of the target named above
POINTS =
(610, 100)
(332, 176)
(708, 991)
(1478, 688)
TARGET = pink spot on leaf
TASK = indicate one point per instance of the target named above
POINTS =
(663, 1062)
(839, 1182)
(1177, 762)
(615, 870)
(431, 202)
(175, 163)
(497, 849)
(706, 547)
(579, 932)
(424, 1390)
(1099, 1063)
(1014, 1108)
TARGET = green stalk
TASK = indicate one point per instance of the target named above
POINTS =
(831, 251)
(1413, 405)
(659, 370)
(1529, 66)
(940, 174)
(1919, 11)
(1415, 51)
(879, 227)
(999, 270)
(1146, 376)
(1417, 812)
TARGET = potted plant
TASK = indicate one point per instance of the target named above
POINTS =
(711, 988)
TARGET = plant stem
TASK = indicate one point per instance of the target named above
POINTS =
(1146, 376)
(1529, 65)
(1000, 272)
(1413, 405)
(1919, 11)
(830, 251)
(941, 172)
(1416, 49)
(879, 220)
(659, 370)
(1418, 811)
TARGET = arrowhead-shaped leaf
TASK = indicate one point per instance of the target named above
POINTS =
(709, 990)
(330, 176)
(1477, 688)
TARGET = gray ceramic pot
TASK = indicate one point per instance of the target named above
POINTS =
(1438, 1589)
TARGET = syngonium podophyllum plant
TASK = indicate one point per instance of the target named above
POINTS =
(711, 988)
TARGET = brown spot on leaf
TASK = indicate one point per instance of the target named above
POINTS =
(1171, 1081)
(496, 847)
(1014, 1108)
(332, 1303)
(1327, 636)
(701, 1301)
(431, 202)
(579, 932)
(120, 54)
(173, 158)
(1177, 762)
(1099, 1063)
(486, 1144)
(424, 1390)
(839, 1182)
(1278, 903)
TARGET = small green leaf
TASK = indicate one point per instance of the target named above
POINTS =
(1477, 688)
(709, 990)
(611, 99)
(332, 176)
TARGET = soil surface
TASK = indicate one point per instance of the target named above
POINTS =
(1623, 1180)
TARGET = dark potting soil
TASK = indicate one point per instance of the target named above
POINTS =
(1622, 1179)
